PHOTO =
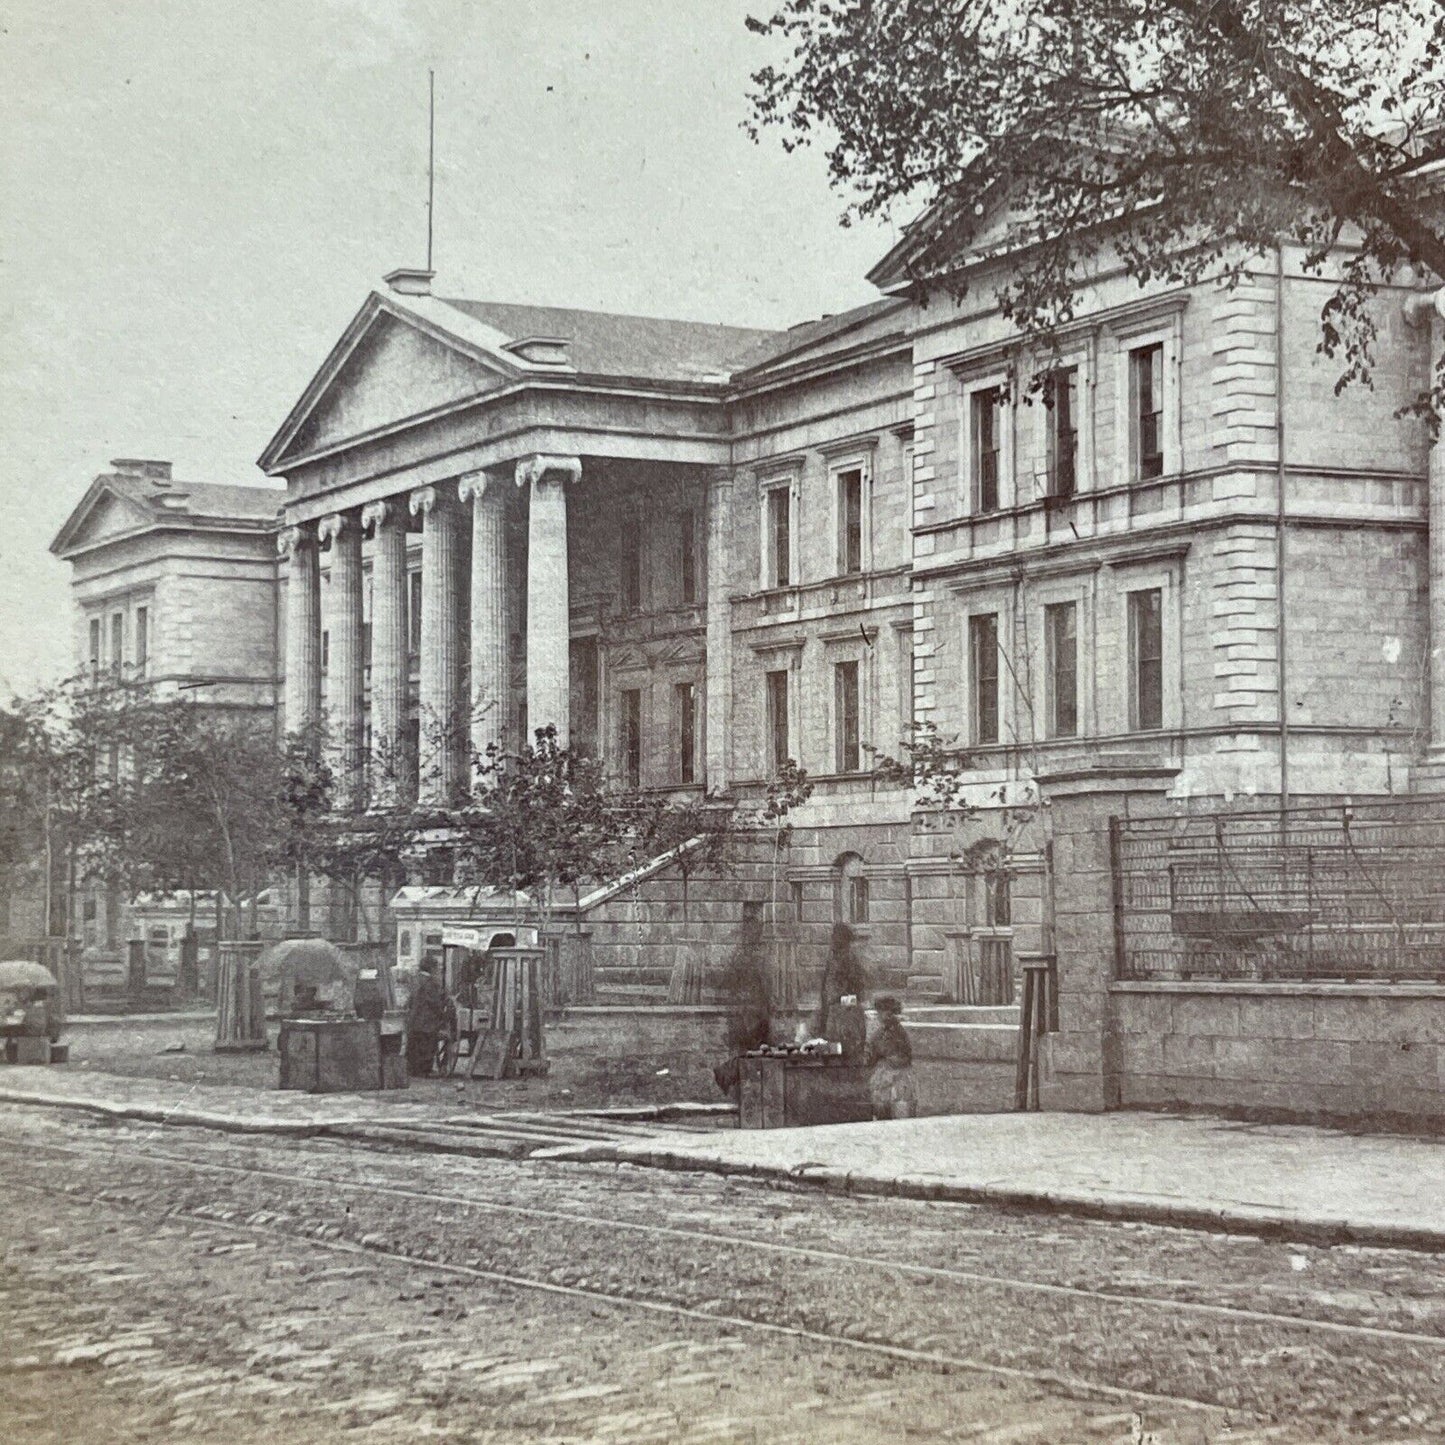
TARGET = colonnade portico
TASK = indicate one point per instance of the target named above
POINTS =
(465, 653)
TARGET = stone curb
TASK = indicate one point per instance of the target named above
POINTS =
(155, 1114)
(1131, 1208)
(1083, 1204)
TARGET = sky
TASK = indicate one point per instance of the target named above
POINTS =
(197, 195)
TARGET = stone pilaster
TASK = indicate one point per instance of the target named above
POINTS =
(440, 772)
(548, 619)
(303, 627)
(1429, 313)
(345, 671)
(386, 521)
(719, 688)
(491, 653)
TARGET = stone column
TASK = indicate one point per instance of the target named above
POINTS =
(386, 521)
(491, 653)
(303, 627)
(345, 679)
(440, 772)
(548, 612)
(719, 689)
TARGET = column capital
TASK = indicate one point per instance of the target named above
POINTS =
(473, 486)
(535, 469)
(424, 500)
(375, 515)
(719, 477)
(330, 528)
(292, 539)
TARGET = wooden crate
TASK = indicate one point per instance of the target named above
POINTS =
(787, 1090)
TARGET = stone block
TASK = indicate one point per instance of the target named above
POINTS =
(1189, 1055)
(1214, 1015)
(1276, 1017)
(1140, 1013)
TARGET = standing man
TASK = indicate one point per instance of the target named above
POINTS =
(425, 1018)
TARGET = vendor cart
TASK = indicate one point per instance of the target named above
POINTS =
(469, 978)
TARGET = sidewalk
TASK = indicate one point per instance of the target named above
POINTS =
(1293, 1181)
(1296, 1181)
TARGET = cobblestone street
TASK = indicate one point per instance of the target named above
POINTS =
(169, 1284)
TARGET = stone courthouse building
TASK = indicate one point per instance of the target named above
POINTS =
(1182, 573)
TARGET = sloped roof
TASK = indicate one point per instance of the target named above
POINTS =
(163, 500)
(605, 343)
(817, 340)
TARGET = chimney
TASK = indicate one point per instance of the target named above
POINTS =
(409, 281)
(139, 467)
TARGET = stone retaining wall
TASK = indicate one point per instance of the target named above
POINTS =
(1335, 1050)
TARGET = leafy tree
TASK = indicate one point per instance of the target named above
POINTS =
(537, 822)
(1215, 128)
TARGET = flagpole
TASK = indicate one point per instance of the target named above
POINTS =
(431, 134)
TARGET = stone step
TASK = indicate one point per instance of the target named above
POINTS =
(604, 993)
(963, 1043)
(606, 977)
(959, 1013)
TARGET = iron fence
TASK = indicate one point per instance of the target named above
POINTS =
(1352, 891)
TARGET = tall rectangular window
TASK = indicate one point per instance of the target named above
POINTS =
(983, 669)
(630, 564)
(846, 746)
(142, 640)
(779, 745)
(778, 543)
(1146, 659)
(850, 521)
(858, 900)
(413, 613)
(1061, 397)
(630, 743)
(687, 556)
(685, 707)
(1061, 642)
(117, 642)
(95, 646)
(986, 430)
(1146, 412)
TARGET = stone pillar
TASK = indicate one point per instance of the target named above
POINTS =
(548, 612)
(303, 627)
(719, 689)
(386, 521)
(491, 653)
(440, 772)
(1079, 1067)
(345, 673)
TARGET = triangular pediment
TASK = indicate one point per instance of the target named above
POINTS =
(962, 230)
(395, 370)
(101, 515)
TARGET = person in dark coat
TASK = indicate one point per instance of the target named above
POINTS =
(843, 975)
(426, 1016)
(744, 986)
(890, 1056)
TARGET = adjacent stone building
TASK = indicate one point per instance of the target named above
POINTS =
(174, 585)
(1163, 569)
